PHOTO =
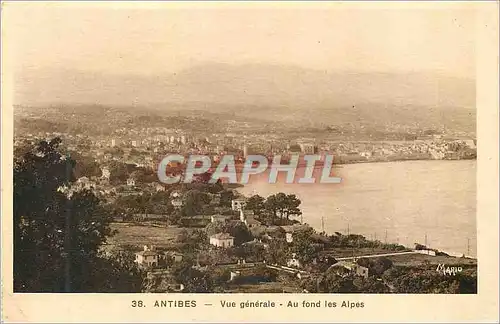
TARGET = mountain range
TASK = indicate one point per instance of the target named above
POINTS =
(264, 91)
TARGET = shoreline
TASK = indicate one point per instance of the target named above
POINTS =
(400, 160)
(334, 164)
(244, 191)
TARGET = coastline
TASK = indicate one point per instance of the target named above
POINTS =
(401, 160)
(316, 223)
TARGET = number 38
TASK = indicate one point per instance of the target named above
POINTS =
(137, 303)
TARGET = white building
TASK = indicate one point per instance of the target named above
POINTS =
(160, 187)
(174, 256)
(470, 143)
(177, 203)
(176, 199)
(223, 240)
(343, 268)
(307, 148)
(148, 257)
(426, 252)
(238, 204)
(131, 182)
(84, 183)
(106, 174)
(248, 217)
(294, 262)
(366, 154)
(291, 229)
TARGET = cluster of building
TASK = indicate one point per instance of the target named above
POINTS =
(150, 256)
(145, 147)
(437, 149)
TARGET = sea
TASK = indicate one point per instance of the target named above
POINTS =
(430, 202)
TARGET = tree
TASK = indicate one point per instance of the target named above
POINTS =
(226, 197)
(119, 172)
(256, 204)
(370, 286)
(193, 240)
(115, 273)
(380, 265)
(332, 283)
(194, 200)
(137, 204)
(257, 275)
(237, 251)
(376, 267)
(161, 203)
(291, 206)
(137, 175)
(194, 281)
(411, 280)
(253, 252)
(117, 211)
(57, 232)
(239, 231)
(207, 210)
(277, 252)
(134, 152)
(214, 228)
(220, 276)
(283, 206)
(216, 187)
(303, 246)
(310, 284)
(175, 217)
(273, 204)
(85, 166)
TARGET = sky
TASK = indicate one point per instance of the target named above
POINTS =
(159, 37)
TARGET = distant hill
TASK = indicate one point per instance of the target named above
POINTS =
(255, 84)
(285, 93)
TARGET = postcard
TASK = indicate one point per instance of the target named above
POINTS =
(249, 162)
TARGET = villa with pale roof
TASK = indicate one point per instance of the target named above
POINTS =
(222, 240)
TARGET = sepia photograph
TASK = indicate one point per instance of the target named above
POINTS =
(286, 149)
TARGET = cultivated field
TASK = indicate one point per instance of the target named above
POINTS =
(136, 235)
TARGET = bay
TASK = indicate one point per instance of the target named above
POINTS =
(399, 202)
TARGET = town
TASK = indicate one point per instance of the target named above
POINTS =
(208, 237)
